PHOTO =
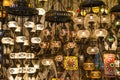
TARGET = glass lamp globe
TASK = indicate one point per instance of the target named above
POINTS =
(83, 34)
(78, 19)
(59, 58)
(47, 62)
(41, 11)
(91, 17)
(101, 33)
(12, 24)
(39, 26)
(29, 24)
(92, 50)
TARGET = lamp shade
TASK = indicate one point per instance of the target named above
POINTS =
(39, 26)
(7, 2)
(29, 24)
(12, 24)
(95, 74)
(92, 50)
(83, 34)
(101, 33)
(41, 11)
(88, 66)
(47, 62)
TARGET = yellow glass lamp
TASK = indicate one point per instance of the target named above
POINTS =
(95, 9)
(7, 2)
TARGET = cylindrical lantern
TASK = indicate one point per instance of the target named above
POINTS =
(88, 66)
(95, 74)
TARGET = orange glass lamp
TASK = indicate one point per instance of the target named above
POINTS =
(95, 74)
(7, 2)
(88, 65)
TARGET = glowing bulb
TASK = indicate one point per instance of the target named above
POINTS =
(104, 19)
(41, 11)
(91, 17)
(83, 33)
(92, 50)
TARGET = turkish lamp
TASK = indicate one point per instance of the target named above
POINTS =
(12, 24)
(59, 58)
(96, 9)
(104, 18)
(7, 3)
(29, 24)
(79, 19)
(6, 39)
(110, 40)
(92, 50)
(117, 24)
(41, 11)
(47, 62)
(39, 26)
(95, 74)
(88, 65)
(83, 12)
(83, 34)
(81, 58)
(20, 39)
(91, 17)
(101, 33)
(36, 40)
(104, 10)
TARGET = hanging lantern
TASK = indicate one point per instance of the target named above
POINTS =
(96, 9)
(29, 24)
(79, 19)
(70, 45)
(101, 33)
(88, 65)
(47, 62)
(41, 11)
(12, 24)
(95, 74)
(55, 44)
(20, 39)
(59, 58)
(44, 45)
(83, 34)
(7, 2)
(39, 26)
(92, 50)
